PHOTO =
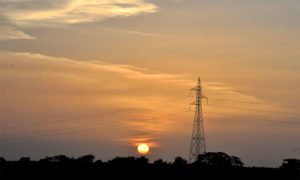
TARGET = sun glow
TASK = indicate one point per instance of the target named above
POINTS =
(143, 148)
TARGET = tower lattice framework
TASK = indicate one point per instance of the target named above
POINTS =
(198, 145)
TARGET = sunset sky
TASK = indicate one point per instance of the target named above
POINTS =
(102, 76)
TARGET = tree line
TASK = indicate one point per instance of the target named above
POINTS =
(208, 165)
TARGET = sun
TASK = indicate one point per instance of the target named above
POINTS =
(143, 148)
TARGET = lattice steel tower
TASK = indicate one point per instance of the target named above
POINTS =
(198, 137)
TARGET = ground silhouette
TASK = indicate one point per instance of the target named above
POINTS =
(211, 165)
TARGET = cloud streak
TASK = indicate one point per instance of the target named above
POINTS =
(139, 33)
(127, 71)
(10, 33)
(59, 13)
(99, 86)
(49, 13)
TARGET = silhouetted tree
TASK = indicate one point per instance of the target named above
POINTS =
(98, 162)
(47, 159)
(142, 160)
(160, 163)
(58, 158)
(2, 160)
(291, 164)
(219, 160)
(180, 162)
(129, 161)
(61, 158)
(236, 162)
(86, 159)
(24, 159)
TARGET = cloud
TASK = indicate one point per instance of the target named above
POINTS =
(127, 71)
(53, 13)
(139, 33)
(84, 96)
(9, 33)
(59, 13)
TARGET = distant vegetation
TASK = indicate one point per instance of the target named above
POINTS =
(210, 165)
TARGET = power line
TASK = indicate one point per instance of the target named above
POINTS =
(92, 126)
(87, 117)
(255, 109)
(249, 102)
(255, 118)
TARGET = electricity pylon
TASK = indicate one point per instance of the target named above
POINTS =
(198, 137)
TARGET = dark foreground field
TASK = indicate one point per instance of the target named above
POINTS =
(208, 166)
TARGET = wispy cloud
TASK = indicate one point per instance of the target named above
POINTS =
(101, 88)
(35, 12)
(134, 32)
(128, 71)
(59, 13)
(9, 33)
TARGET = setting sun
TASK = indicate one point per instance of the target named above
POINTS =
(143, 148)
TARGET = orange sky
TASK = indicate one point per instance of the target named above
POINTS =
(100, 77)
